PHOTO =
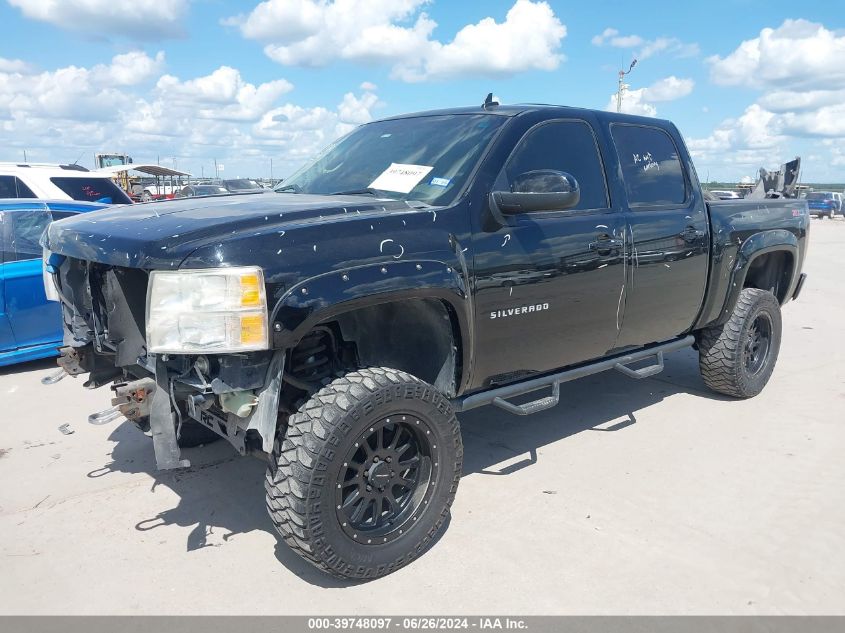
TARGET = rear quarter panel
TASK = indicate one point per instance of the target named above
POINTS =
(742, 230)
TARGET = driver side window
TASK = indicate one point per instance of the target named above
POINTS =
(568, 146)
(22, 231)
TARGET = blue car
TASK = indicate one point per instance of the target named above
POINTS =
(30, 325)
(825, 203)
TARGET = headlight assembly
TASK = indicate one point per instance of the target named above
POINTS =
(212, 310)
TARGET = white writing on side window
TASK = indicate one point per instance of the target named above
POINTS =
(646, 160)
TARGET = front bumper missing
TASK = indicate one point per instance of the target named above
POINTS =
(164, 399)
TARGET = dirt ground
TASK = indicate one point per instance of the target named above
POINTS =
(630, 497)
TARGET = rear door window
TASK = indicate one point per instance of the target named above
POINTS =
(651, 166)
(13, 187)
(91, 189)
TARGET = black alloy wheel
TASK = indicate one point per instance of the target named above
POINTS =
(385, 479)
(758, 342)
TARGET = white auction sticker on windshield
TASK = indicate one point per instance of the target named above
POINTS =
(400, 177)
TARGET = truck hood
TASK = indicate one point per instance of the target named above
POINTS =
(163, 234)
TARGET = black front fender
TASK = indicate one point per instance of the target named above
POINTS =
(328, 295)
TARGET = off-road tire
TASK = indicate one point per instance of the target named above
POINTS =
(308, 460)
(723, 353)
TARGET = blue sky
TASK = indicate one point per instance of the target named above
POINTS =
(244, 82)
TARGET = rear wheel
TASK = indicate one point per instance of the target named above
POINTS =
(738, 357)
(362, 481)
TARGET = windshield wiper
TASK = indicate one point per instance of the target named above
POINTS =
(291, 187)
(366, 191)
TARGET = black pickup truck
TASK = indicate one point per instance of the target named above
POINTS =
(420, 266)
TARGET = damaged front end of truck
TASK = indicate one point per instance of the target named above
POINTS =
(219, 374)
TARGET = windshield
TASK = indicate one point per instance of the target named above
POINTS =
(421, 158)
(819, 196)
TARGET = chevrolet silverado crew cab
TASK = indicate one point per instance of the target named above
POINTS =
(420, 266)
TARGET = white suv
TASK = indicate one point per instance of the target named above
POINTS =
(58, 182)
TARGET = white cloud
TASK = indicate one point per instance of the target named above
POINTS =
(757, 128)
(528, 39)
(14, 66)
(75, 92)
(797, 69)
(645, 48)
(128, 105)
(827, 121)
(669, 89)
(790, 101)
(357, 110)
(743, 144)
(222, 95)
(368, 86)
(611, 37)
(398, 34)
(130, 69)
(640, 100)
(133, 19)
(798, 54)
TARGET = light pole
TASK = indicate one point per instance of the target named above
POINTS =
(621, 85)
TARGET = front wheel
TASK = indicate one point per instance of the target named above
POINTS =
(362, 481)
(738, 357)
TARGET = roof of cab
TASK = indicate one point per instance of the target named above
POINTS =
(520, 108)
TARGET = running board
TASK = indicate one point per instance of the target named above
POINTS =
(642, 372)
(498, 397)
(535, 406)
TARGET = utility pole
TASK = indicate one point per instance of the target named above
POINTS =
(271, 172)
(26, 161)
(216, 172)
(622, 86)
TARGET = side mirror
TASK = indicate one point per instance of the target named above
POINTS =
(539, 190)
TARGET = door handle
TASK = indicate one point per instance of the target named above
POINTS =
(605, 244)
(690, 234)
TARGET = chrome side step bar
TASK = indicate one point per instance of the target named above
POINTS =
(498, 397)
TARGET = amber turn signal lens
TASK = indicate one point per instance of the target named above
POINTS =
(250, 290)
